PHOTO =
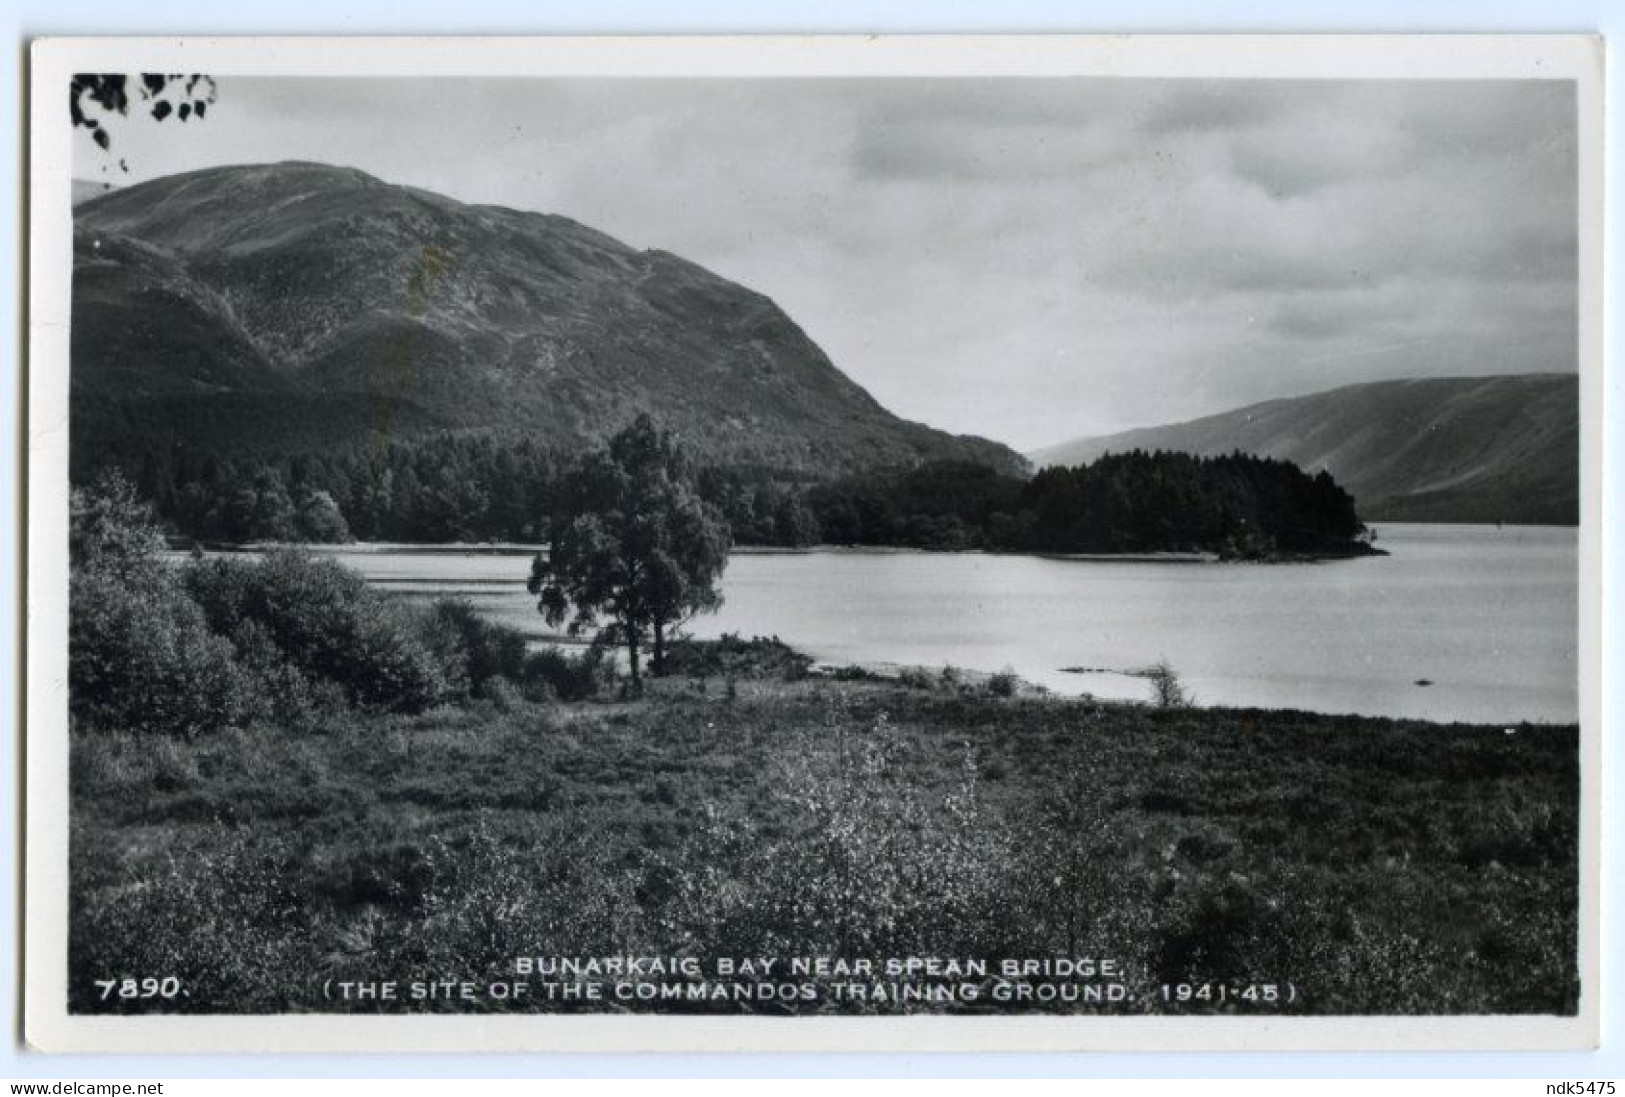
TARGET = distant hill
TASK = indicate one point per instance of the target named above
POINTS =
(299, 306)
(86, 189)
(1482, 449)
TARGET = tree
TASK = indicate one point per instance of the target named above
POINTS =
(110, 529)
(630, 540)
(141, 656)
(181, 95)
(320, 519)
(1166, 688)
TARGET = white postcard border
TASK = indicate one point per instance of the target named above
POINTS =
(48, 1026)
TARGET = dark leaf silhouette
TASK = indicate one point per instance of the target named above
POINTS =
(109, 92)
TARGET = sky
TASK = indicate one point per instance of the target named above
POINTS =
(1031, 260)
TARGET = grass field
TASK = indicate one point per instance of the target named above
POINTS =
(1374, 866)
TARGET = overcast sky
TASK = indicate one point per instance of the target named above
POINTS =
(1030, 260)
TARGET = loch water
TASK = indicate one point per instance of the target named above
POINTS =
(1458, 622)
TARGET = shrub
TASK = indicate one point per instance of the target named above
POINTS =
(327, 623)
(286, 694)
(502, 693)
(141, 657)
(444, 642)
(1003, 684)
(551, 673)
(391, 667)
(732, 654)
(916, 678)
(1166, 689)
(473, 650)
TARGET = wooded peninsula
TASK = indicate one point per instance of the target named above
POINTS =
(462, 488)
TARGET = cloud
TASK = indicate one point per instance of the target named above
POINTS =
(1210, 106)
(1027, 259)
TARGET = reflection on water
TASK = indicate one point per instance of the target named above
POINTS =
(1486, 616)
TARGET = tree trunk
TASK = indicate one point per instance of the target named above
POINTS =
(632, 655)
(657, 661)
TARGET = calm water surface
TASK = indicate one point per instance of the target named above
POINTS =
(1487, 616)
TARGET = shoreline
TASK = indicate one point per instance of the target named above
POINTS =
(1100, 672)
(947, 678)
(520, 548)
(913, 676)
(517, 550)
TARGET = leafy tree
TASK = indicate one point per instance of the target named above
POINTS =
(141, 656)
(631, 540)
(93, 97)
(321, 620)
(320, 519)
(111, 530)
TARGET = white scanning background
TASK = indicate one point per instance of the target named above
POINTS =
(28, 18)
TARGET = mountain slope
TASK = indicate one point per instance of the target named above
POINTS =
(86, 189)
(1441, 449)
(218, 300)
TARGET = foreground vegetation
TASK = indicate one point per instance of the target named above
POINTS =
(286, 638)
(281, 780)
(1377, 866)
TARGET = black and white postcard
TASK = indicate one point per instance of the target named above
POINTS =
(862, 544)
